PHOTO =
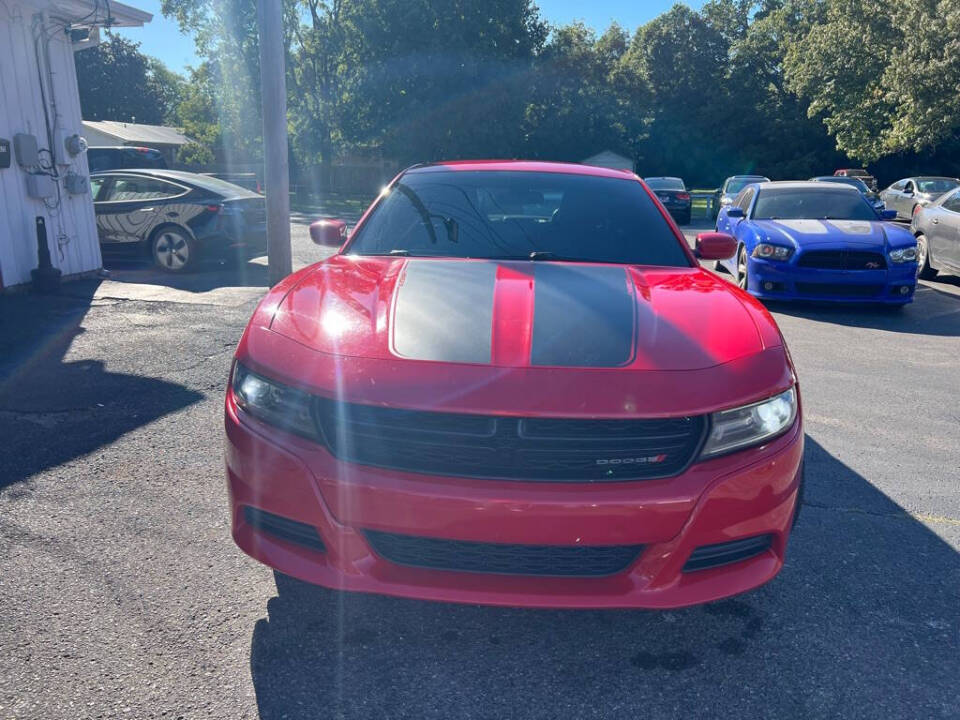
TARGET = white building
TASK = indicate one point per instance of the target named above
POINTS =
(167, 140)
(609, 159)
(40, 118)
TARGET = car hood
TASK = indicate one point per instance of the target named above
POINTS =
(797, 233)
(522, 314)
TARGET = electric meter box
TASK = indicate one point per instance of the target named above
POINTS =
(40, 186)
(76, 184)
(26, 149)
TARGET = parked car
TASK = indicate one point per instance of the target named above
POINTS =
(673, 194)
(176, 217)
(731, 187)
(873, 198)
(817, 241)
(908, 195)
(508, 387)
(937, 229)
(250, 181)
(123, 157)
(868, 179)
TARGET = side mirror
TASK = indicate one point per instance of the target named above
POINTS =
(329, 233)
(888, 214)
(735, 212)
(715, 246)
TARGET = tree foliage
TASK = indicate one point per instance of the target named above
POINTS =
(788, 88)
(118, 82)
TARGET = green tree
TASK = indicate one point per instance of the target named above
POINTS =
(118, 82)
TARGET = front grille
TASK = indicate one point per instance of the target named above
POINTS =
(535, 449)
(711, 556)
(838, 289)
(503, 559)
(283, 528)
(842, 260)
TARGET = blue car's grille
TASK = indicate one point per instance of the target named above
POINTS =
(842, 260)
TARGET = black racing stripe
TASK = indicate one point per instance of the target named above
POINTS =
(583, 316)
(444, 310)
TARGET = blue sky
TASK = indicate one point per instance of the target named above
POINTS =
(162, 38)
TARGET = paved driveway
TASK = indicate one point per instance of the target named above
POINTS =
(122, 594)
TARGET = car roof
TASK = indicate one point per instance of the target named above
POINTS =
(537, 166)
(740, 177)
(800, 184)
(929, 177)
(662, 177)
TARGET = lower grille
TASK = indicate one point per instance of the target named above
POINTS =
(711, 556)
(502, 559)
(838, 289)
(842, 260)
(487, 446)
(283, 528)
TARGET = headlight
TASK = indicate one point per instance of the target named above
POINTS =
(766, 251)
(274, 403)
(904, 255)
(750, 425)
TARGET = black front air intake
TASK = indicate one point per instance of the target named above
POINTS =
(711, 556)
(503, 559)
(283, 528)
(492, 447)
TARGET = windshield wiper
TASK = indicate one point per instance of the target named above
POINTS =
(400, 252)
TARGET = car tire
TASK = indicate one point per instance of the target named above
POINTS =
(173, 249)
(743, 269)
(923, 259)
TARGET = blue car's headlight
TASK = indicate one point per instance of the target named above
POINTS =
(903, 255)
(766, 251)
(750, 425)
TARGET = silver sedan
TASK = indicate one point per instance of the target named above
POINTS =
(937, 229)
(907, 195)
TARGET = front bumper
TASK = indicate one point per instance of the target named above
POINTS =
(746, 494)
(771, 280)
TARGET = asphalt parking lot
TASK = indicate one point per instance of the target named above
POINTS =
(123, 595)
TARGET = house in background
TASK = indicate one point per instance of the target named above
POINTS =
(167, 140)
(43, 166)
(609, 159)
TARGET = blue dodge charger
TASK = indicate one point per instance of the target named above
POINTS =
(814, 241)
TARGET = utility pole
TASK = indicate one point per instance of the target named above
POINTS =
(273, 93)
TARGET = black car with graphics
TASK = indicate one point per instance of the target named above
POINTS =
(176, 217)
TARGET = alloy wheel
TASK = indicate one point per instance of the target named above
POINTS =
(172, 250)
(742, 268)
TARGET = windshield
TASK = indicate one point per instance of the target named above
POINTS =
(812, 203)
(737, 184)
(512, 215)
(664, 183)
(936, 185)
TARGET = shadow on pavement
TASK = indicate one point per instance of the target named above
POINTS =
(862, 622)
(209, 275)
(934, 311)
(53, 410)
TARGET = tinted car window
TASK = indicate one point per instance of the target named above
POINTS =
(95, 184)
(99, 159)
(737, 184)
(664, 183)
(898, 185)
(802, 203)
(509, 215)
(745, 198)
(952, 203)
(936, 186)
(141, 188)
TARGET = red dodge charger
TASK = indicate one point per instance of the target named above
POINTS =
(514, 385)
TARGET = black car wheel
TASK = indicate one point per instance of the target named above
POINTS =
(923, 259)
(742, 270)
(173, 250)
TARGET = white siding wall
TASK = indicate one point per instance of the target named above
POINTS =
(71, 227)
